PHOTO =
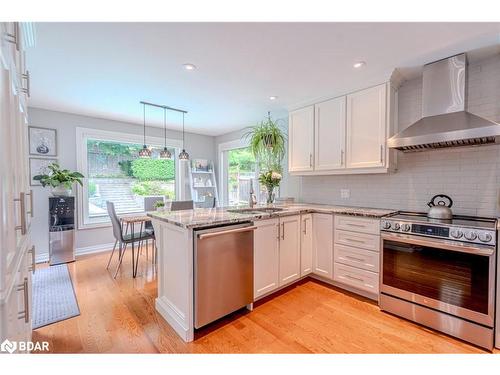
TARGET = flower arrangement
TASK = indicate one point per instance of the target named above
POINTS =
(270, 180)
(159, 205)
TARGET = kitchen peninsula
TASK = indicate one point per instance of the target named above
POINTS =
(265, 249)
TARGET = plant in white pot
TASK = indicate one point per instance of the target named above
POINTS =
(60, 180)
(267, 142)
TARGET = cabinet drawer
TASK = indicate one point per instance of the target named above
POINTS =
(357, 224)
(355, 277)
(352, 256)
(361, 240)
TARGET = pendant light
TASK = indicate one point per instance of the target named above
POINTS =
(145, 152)
(183, 155)
(165, 153)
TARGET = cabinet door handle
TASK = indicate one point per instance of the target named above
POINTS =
(26, 313)
(354, 278)
(14, 38)
(33, 261)
(355, 258)
(27, 89)
(341, 157)
(31, 212)
(381, 153)
(279, 231)
(22, 208)
(305, 226)
(283, 231)
(310, 160)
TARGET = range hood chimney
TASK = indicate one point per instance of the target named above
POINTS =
(445, 121)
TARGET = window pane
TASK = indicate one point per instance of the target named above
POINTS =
(242, 169)
(117, 174)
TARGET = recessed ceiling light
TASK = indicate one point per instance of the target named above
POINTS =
(273, 97)
(189, 66)
(359, 64)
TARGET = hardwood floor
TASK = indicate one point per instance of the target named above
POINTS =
(118, 316)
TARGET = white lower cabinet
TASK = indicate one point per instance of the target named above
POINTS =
(266, 257)
(306, 245)
(356, 253)
(323, 245)
(289, 249)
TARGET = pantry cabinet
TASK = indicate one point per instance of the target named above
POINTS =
(15, 195)
(301, 140)
(344, 135)
(323, 245)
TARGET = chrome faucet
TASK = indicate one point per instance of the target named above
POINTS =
(252, 199)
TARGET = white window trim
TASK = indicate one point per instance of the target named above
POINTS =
(228, 146)
(82, 134)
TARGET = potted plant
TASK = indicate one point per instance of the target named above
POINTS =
(268, 145)
(61, 180)
(160, 206)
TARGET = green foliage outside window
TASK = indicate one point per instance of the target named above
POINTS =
(153, 169)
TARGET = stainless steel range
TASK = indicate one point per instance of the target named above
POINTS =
(441, 273)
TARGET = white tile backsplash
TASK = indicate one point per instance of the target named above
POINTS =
(471, 176)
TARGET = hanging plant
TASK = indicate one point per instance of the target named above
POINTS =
(267, 143)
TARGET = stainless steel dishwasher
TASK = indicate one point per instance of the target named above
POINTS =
(223, 271)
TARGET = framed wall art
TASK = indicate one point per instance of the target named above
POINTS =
(39, 166)
(42, 141)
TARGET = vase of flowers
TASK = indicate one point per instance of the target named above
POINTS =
(270, 180)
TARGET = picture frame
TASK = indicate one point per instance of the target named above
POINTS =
(39, 166)
(200, 165)
(42, 141)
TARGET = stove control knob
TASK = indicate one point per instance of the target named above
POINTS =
(485, 237)
(406, 227)
(456, 233)
(396, 226)
(471, 236)
(386, 225)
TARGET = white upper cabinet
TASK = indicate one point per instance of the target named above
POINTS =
(366, 128)
(301, 140)
(329, 131)
(348, 137)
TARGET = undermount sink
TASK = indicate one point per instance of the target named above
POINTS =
(257, 210)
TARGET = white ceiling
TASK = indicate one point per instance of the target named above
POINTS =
(105, 69)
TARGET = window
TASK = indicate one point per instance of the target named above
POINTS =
(114, 172)
(239, 170)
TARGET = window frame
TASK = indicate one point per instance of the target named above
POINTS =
(224, 168)
(82, 136)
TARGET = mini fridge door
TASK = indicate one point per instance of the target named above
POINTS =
(61, 246)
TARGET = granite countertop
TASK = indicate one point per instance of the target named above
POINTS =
(203, 217)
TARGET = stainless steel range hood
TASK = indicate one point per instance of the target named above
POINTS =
(445, 121)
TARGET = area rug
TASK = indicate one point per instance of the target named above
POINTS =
(54, 298)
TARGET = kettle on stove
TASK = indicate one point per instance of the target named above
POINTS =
(440, 207)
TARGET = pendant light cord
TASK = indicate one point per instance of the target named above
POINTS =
(165, 125)
(144, 117)
(183, 145)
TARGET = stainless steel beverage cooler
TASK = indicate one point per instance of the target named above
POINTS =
(61, 230)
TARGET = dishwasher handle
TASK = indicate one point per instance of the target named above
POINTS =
(215, 234)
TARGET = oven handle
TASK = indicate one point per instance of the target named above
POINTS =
(447, 245)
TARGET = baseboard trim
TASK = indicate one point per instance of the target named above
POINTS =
(44, 257)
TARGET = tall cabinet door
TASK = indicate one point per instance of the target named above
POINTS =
(266, 257)
(289, 249)
(323, 245)
(301, 140)
(366, 128)
(306, 245)
(329, 133)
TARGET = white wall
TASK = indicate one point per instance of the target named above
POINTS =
(198, 146)
(471, 176)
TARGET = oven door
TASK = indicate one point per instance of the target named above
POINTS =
(449, 276)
